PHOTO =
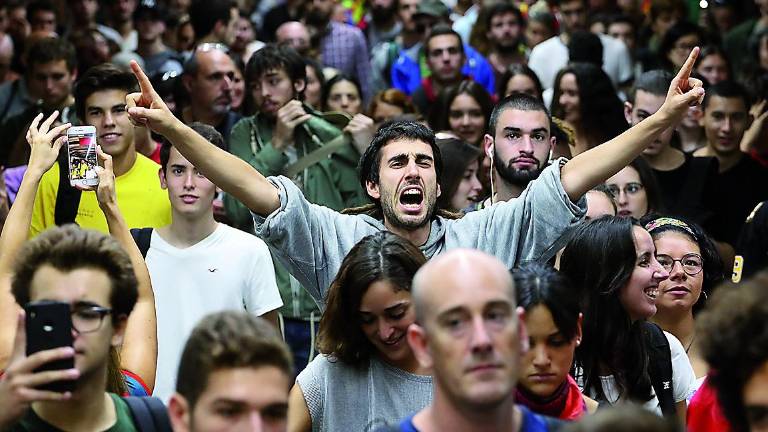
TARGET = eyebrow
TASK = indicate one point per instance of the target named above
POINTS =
(84, 303)
(401, 156)
(516, 129)
(391, 308)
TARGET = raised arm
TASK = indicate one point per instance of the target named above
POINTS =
(139, 351)
(227, 171)
(44, 150)
(594, 166)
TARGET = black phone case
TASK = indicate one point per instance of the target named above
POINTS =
(49, 325)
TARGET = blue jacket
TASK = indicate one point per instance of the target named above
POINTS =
(406, 73)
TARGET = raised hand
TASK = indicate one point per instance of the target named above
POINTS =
(17, 385)
(105, 191)
(684, 91)
(361, 128)
(45, 142)
(147, 108)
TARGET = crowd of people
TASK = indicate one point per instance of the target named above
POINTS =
(385, 215)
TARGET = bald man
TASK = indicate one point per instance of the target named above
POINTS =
(471, 334)
(295, 35)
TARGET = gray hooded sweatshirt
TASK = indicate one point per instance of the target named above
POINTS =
(311, 240)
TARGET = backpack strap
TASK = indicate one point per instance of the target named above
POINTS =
(67, 197)
(143, 238)
(660, 367)
(149, 414)
(322, 153)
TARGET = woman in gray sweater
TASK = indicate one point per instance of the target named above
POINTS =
(367, 375)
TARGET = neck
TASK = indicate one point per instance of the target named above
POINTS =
(123, 163)
(666, 160)
(385, 25)
(185, 230)
(194, 113)
(690, 138)
(505, 191)
(417, 236)
(89, 409)
(124, 28)
(680, 324)
(727, 160)
(149, 48)
(408, 364)
(444, 415)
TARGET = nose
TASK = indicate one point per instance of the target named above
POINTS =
(476, 185)
(527, 144)
(727, 124)
(344, 101)
(677, 272)
(540, 356)
(481, 340)
(255, 422)
(660, 273)
(188, 182)
(465, 120)
(412, 170)
(385, 330)
(108, 119)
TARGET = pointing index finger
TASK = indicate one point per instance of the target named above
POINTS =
(144, 84)
(685, 71)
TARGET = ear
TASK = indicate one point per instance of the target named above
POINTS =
(163, 181)
(417, 339)
(488, 145)
(187, 81)
(628, 112)
(522, 331)
(178, 411)
(299, 86)
(119, 330)
(372, 189)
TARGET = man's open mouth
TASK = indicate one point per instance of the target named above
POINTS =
(411, 198)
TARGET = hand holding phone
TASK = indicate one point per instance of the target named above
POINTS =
(20, 385)
(49, 326)
(81, 148)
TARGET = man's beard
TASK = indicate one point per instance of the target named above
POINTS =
(391, 216)
(507, 48)
(382, 16)
(514, 176)
(317, 19)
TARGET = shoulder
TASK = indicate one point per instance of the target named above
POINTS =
(145, 166)
(242, 239)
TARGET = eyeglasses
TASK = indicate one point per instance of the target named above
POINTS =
(692, 263)
(88, 319)
(630, 189)
(209, 46)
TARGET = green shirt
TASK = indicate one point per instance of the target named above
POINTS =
(31, 422)
(332, 183)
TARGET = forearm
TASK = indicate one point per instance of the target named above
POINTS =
(139, 351)
(225, 170)
(594, 166)
(14, 232)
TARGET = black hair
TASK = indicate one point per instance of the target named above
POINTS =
(276, 57)
(441, 30)
(712, 263)
(439, 115)
(599, 260)
(501, 9)
(716, 50)
(601, 110)
(326, 93)
(206, 131)
(655, 82)
(727, 89)
(677, 31)
(390, 131)
(48, 50)
(514, 70)
(204, 14)
(585, 47)
(102, 77)
(538, 284)
(518, 101)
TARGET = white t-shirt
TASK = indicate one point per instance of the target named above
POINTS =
(228, 270)
(548, 57)
(683, 379)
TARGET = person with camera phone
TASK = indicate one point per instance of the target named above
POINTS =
(79, 288)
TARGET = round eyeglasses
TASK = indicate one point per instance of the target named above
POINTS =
(692, 263)
(88, 319)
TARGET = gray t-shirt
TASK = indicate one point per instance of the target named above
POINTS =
(345, 398)
(311, 240)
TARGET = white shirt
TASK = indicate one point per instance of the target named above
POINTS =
(548, 57)
(228, 270)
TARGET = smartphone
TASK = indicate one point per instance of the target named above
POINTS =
(49, 325)
(81, 149)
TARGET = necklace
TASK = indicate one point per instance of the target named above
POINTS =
(693, 338)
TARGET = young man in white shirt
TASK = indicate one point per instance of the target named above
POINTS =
(199, 266)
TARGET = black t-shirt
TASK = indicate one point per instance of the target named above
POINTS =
(684, 189)
(753, 241)
(735, 195)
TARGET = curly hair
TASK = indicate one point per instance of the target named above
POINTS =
(378, 257)
(734, 342)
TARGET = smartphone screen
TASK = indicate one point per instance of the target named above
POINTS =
(81, 146)
(49, 325)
